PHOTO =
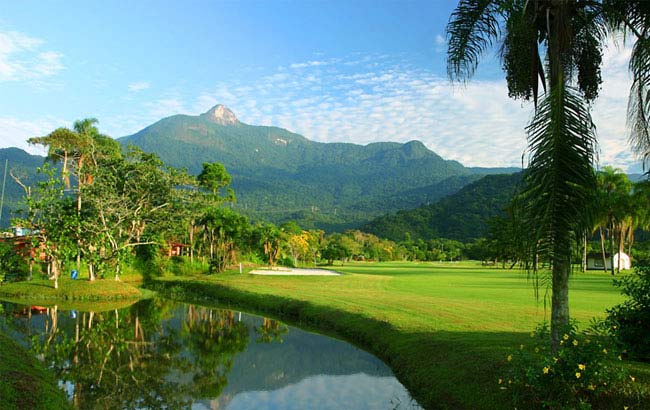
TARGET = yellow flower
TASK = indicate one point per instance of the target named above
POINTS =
(605, 351)
(625, 407)
(578, 375)
(555, 359)
(592, 387)
(575, 342)
(500, 381)
(619, 357)
(509, 357)
(632, 378)
(561, 342)
(566, 337)
(582, 366)
(546, 369)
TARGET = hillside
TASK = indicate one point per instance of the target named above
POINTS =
(462, 216)
(279, 175)
(22, 165)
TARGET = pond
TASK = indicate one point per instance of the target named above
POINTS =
(162, 354)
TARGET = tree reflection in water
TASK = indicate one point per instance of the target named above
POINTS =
(137, 357)
(270, 331)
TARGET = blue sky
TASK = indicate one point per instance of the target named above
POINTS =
(344, 71)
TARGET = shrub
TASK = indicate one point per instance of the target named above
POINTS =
(583, 371)
(13, 267)
(629, 322)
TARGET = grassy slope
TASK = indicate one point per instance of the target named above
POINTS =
(445, 329)
(24, 382)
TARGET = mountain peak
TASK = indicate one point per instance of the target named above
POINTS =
(221, 115)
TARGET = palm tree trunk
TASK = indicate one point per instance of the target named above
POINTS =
(602, 247)
(611, 246)
(559, 300)
(584, 253)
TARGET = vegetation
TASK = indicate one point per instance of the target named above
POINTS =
(24, 382)
(628, 321)
(445, 329)
(583, 373)
(559, 178)
(463, 216)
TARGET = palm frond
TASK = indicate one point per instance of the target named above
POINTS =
(560, 176)
(520, 53)
(638, 109)
(473, 27)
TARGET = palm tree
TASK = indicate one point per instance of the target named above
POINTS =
(615, 209)
(558, 44)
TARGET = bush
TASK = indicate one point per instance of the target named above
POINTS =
(13, 267)
(583, 371)
(629, 322)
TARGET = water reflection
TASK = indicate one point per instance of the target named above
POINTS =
(160, 354)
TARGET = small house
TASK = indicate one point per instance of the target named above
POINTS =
(595, 261)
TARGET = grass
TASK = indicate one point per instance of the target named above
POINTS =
(445, 329)
(81, 289)
(24, 382)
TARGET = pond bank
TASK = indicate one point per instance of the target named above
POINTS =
(24, 382)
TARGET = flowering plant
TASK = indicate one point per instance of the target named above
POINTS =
(581, 371)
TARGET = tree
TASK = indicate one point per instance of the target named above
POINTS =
(52, 220)
(271, 239)
(224, 229)
(614, 213)
(78, 150)
(214, 178)
(127, 196)
(561, 135)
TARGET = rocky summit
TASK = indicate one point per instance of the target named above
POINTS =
(222, 115)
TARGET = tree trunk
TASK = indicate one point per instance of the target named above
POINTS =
(611, 246)
(621, 246)
(584, 253)
(559, 300)
(602, 247)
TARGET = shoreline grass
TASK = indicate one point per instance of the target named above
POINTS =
(40, 289)
(444, 329)
(25, 383)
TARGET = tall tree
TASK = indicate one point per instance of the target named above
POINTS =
(614, 204)
(558, 44)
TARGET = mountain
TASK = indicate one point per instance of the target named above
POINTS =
(279, 175)
(22, 165)
(462, 216)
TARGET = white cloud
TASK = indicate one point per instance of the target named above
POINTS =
(441, 43)
(15, 132)
(139, 86)
(21, 58)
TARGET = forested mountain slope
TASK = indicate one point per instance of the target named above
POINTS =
(462, 216)
(279, 175)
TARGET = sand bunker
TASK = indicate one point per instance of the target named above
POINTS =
(295, 271)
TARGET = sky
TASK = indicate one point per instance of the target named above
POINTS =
(334, 71)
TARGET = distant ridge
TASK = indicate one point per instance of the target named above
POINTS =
(462, 216)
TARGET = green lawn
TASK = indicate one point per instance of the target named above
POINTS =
(444, 328)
